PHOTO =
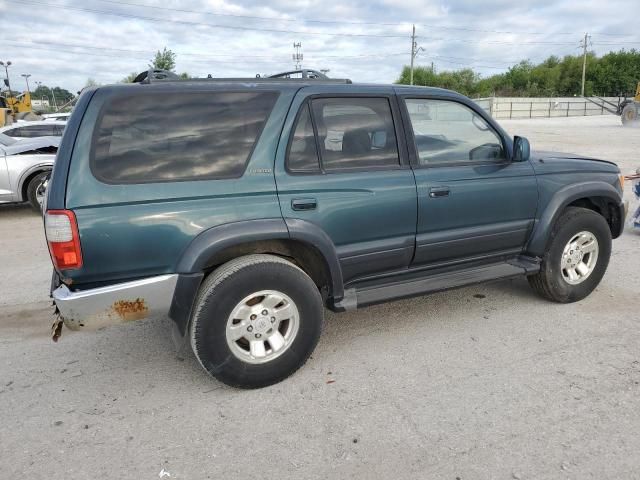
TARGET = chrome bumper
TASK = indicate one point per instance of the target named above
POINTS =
(120, 303)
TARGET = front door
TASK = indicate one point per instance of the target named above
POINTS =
(343, 168)
(474, 203)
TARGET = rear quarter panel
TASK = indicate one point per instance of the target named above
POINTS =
(131, 231)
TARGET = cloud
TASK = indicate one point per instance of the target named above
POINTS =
(65, 42)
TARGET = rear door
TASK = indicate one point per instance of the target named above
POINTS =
(342, 165)
(474, 203)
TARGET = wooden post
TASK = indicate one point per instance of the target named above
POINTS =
(568, 103)
(510, 109)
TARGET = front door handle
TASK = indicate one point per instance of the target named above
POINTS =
(304, 203)
(437, 192)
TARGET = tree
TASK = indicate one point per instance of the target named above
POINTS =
(129, 78)
(613, 74)
(91, 83)
(164, 60)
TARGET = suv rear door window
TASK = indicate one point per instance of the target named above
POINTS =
(159, 137)
(355, 133)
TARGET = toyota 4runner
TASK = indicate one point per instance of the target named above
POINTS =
(241, 208)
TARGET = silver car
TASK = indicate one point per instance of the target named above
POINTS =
(32, 129)
(25, 167)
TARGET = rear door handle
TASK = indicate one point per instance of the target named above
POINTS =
(437, 192)
(304, 203)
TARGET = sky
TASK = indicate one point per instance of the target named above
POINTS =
(66, 42)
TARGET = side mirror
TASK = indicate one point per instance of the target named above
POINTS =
(521, 149)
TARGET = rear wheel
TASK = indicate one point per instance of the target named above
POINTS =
(576, 257)
(256, 321)
(37, 190)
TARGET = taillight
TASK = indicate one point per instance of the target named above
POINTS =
(61, 230)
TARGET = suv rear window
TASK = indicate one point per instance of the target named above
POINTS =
(160, 137)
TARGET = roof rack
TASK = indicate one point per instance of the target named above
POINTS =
(154, 75)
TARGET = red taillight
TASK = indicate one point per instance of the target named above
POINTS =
(61, 230)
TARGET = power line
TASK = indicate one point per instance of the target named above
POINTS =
(274, 30)
(204, 24)
(342, 22)
(36, 45)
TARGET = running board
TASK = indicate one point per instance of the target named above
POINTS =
(412, 286)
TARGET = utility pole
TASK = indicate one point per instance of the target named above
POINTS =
(6, 69)
(298, 56)
(583, 44)
(414, 52)
(26, 78)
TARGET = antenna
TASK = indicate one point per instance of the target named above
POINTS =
(298, 56)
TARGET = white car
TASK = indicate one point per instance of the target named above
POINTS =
(25, 167)
(39, 128)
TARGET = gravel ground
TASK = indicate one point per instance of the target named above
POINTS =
(487, 382)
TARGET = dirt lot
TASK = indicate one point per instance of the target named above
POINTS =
(488, 382)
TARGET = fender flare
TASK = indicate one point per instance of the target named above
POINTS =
(194, 258)
(563, 197)
(208, 243)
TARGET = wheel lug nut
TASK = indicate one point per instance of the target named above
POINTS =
(258, 335)
(249, 328)
(252, 317)
(273, 319)
(264, 312)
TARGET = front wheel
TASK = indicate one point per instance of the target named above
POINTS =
(256, 321)
(576, 258)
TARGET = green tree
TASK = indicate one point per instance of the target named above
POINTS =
(613, 74)
(129, 78)
(164, 60)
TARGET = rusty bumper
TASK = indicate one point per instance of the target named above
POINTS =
(120, 303)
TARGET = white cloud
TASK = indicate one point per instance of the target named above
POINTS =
(65, 46)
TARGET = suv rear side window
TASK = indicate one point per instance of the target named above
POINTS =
(159, 137)
(303, 154)
(355, 133)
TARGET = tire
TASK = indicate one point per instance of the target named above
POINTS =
(629, 115)
(35, 187)
(222, 301)
(552, 281)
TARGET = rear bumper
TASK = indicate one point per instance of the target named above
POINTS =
(120, 303)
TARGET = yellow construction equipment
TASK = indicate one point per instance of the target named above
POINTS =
(14, 107)
(629, 110)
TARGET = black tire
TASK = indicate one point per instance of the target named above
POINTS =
(32, 190)
(224, 289)
(550, 282)
(629, 115)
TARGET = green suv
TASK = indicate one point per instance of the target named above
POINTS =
(241, 208)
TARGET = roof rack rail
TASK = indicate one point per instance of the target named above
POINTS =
(154, 75)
